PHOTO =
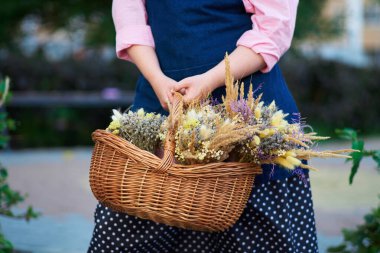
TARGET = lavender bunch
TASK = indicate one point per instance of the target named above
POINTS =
(139, 128)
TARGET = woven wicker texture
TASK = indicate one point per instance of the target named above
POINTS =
(204, 197)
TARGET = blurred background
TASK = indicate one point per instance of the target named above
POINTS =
(65, 79)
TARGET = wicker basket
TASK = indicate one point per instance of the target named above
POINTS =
(204, 197)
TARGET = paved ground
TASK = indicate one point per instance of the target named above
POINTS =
(57, 183)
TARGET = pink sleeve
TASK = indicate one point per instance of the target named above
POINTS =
(273, 23)
(130, 19)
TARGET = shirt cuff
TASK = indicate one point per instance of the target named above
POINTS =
(132, 35)
(262, 45)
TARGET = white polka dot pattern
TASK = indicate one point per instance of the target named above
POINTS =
(279, 217)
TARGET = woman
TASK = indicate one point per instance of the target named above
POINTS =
(180, 45)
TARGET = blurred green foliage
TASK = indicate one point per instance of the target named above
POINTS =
(357, 144)
(365, 238)
(58, 126)
(97, 15)
(87, 74)
(334, 95)
(311, 23)
(57, 14)
(8, 197)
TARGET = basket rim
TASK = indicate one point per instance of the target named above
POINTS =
(152, 161)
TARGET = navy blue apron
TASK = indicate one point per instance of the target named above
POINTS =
(192, 36)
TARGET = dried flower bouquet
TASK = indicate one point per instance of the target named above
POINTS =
(240, 129)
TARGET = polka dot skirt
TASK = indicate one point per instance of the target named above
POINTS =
(278, 217)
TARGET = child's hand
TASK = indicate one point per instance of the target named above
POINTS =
(194, 87)
(163, 86)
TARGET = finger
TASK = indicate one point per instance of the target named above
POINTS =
(170, 96)
(182, 91)
(183, 84)
(187, 98)
(164, 106)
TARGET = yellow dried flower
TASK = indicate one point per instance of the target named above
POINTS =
(150, 115)
(264, 133)
(140, 112)
(257, 112)
(293, 160)
(190, 123)
(256, 139)
(117, 116)
(281, 152)
(115, 124)
(277, 118)
(290, 153)
(284, 163)
(272, 105)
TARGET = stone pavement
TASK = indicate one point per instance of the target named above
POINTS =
(56, 181)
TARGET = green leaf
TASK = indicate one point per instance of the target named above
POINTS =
(347, 134)
(3, 141)
(3, 116)
(356, 158)
(2, 86)
(11, 124)
(5, 245)
(9, 97)
(3, 126)
(31, 214)
(3, 173)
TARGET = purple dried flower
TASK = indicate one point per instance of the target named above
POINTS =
(241, 106)
(262, 156)
(214, 101)
(297, 117)
(301, 175)
(258, 88)
(271, 174)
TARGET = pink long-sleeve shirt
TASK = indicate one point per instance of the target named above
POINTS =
(273, 23)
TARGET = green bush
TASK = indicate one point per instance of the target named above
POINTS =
(364, 239)
(57, 126)
(8, 197)
(334, 95)
(85, 73)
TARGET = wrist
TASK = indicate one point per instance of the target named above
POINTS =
(155, 76)
(213, 79)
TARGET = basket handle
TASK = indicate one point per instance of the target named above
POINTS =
(176, 111)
